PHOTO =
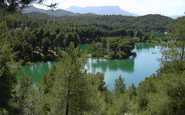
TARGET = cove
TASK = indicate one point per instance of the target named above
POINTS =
(133, 71)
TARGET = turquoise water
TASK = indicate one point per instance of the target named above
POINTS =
(36, 71)
(134, 71)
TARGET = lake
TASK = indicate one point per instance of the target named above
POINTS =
(133, 71)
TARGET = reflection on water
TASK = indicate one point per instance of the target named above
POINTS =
(36, 71)
(141, 46)
(133, 70)
(110, 65)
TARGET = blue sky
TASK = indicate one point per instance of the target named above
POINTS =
(140, 7)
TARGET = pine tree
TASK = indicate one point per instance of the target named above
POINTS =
(120, 87)
(71, 90)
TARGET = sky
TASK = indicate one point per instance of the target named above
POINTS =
(139, 7)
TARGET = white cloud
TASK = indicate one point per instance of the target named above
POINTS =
(165, 7)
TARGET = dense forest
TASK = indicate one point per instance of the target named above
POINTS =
(68, 89)
(39, 37)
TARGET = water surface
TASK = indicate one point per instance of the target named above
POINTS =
(133, 71)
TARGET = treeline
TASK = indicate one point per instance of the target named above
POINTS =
(91, 27)
(113, 48)
(147, 23)
(39, 37)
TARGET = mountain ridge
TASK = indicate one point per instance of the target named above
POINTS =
(58, 12)
(75, 11)
(61, 12)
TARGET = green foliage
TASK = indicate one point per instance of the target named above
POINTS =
(97, 50)
(13, 5)
(168, 97)
(132, 91)
(178, 29)
(75, 87)
(120, 47)
(118, 102)
(173, 56)
(164, 93)
(7, 68)
(179, 34)
(120, 87)
(23, 100)
(145, 87)
(38, 37)
(68, 89)
(113, 47)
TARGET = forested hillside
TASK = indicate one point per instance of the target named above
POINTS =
(39, 37)
(147, 23)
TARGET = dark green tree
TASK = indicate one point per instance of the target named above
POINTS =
(7, 68)
(19, 4)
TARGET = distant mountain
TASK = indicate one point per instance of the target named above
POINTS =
(58, 12)
(101, 10)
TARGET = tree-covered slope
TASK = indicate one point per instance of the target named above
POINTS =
(145, 23)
